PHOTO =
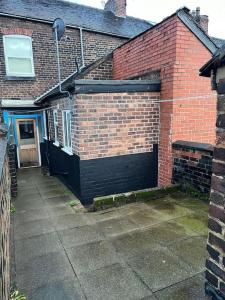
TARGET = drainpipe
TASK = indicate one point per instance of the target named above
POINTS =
(82, 47)
(59, 71)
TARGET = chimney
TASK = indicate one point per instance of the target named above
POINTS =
(117, 7)
(202, 20)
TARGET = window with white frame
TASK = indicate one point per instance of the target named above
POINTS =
(45, 124)
(56, 126)
(67, 130)
(18, 55)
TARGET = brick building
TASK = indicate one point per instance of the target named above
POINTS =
(215, 274)
(112, 128)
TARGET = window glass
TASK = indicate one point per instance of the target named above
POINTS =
(18, 55)
(67, 130)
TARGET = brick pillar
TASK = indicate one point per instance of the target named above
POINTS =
(215, 273)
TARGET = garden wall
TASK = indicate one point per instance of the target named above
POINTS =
(192, 165)
(5, 195)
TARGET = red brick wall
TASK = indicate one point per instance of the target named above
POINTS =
(95, 46)
(171, 48)
(105, 125)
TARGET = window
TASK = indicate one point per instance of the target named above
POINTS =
(45, 124)
(56, 127)
(67, 131)
(18, 55)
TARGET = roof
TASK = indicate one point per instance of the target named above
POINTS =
(217, 60)
(76, 15)
(102, 86)
(218, 42)
(184, 15)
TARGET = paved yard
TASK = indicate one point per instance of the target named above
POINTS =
(145, 251)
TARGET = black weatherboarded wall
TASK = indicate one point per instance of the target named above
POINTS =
(104, 176)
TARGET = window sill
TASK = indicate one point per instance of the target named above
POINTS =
(20, 78)
(56, 144)
(68, 151)
(45, 138)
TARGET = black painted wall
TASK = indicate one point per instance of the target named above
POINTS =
(118, 174)
(104, 176)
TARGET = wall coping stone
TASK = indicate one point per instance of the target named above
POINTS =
(193, 146)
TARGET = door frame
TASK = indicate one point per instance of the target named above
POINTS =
(36, 136)
(10, 117)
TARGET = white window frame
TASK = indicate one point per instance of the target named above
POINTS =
(5, 37)
(45, 124)
(56, 124)
(67, 132)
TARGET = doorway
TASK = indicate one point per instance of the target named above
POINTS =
(28, 153)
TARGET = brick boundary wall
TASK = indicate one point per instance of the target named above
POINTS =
(215, 264)
(5, 195)
(192, 165)
(11, 151)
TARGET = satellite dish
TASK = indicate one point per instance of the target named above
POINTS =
(58, 28)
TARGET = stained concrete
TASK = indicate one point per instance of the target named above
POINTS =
(143, 251)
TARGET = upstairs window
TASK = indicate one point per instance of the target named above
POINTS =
(67, 131)
(18, 55)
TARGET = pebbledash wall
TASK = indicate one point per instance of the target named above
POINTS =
(96, 45)
(115, 143)
(171, 48)
(5, 186)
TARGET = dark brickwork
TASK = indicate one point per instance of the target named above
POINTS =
(5, 192)
(11, 150)
(96, 45)
(215, 274)
(192, 165)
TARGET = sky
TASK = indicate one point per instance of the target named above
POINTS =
(159, 9)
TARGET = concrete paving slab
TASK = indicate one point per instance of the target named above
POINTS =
(113, 282)
(21, 217)
(27, 205)
(159, 268)
(44, 270)
(193, 252)
(78, 236)
(53, 193)
(71, 220)
(145, 218)
(118, 226)
(167, 233)
(93, 256)
(195, 222)
(33, 228)
(134, 243)
(56, 211)
(60, 200)
(68, 289)
(190, 289)
(28, 249)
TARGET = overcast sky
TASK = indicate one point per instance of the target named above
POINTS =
(159, 9)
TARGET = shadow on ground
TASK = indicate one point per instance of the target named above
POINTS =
(152, 250)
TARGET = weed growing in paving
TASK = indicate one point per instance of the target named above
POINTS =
(72, 203)
(12, 209)
(16, 295)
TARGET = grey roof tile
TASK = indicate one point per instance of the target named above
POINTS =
(75, 15)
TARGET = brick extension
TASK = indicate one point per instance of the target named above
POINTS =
(102, 121)
(172, 48)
